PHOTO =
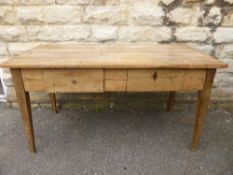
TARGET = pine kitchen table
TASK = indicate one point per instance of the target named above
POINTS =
(99, 68)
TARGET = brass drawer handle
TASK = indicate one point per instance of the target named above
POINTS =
(155, 75)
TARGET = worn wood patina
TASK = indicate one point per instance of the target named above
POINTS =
(99, 68)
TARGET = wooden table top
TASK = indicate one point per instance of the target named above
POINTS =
(113, 56)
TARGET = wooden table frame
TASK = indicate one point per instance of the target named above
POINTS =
(113, 79)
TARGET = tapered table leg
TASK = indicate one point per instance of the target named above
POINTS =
(171, 101)
(52, 97)
(203, 100)
(25, 107)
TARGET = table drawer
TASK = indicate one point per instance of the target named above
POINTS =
(115, 80)
(140, 80)
(63, 80)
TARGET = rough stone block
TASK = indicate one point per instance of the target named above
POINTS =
(191, 33)
(106, 15)
(62, 14)
(146, 14)
(10, 94)
(228, 19)
(198, 15)
(13, 33)
(104, 2)
(6, 71)
(17, 48)
(181, 15)
(222, 81)
(104, 33)
(229, 1)
(214, 16)
(3, 49)
(192, 1)
(58, 33)
(29, 15)
(224, 51)
(206, 48)
(6, 2)
(7, 80)
(2, 58)
(49, 14)
(33, 2)
(73, 2)
(140, 34)
(167, 2)
(7, 15)
(88, 2)
(223, 35)
(210, 1)
(131, 2)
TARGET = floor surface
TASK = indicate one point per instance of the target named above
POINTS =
(116, 143)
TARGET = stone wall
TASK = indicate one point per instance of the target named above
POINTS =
(204, 24)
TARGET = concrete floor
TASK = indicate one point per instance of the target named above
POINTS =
(116, 143)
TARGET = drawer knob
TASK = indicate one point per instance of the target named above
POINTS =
(155, 75)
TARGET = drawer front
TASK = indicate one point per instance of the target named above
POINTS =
(63, 80)
(115, 80)
(140, 80)
(112, 80)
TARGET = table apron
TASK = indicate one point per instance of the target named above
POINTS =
(112, 80)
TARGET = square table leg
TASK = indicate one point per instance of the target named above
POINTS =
(203, 100)
(25, 107)
(52, 97)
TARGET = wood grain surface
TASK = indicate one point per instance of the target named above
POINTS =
(63, 80)
(112, 80)
(113, 56)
